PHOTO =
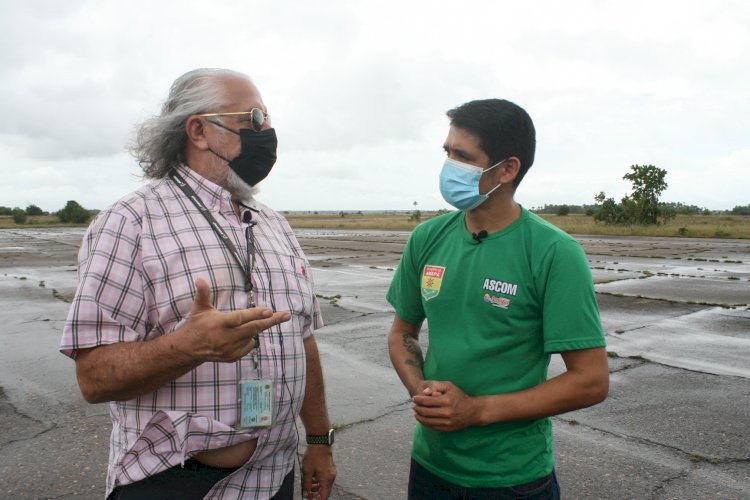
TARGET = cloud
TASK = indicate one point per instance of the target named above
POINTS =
(385, 176)
(93, 182)
(358, 91)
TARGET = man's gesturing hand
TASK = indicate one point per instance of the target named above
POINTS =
(225, 336)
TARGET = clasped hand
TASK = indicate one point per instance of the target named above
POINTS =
(442, 406)
(225, 336)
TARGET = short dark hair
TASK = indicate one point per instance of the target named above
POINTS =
(504, 129)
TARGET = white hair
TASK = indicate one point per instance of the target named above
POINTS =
(241, 190)
(159, 142)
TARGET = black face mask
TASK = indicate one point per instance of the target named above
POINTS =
(257, 154)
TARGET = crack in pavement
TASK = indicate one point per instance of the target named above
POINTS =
(628, 366)
(40, 433)
(658, 489)
(400, 407)
(672, 301)
(665, 365)
(690, 456)
(343, 491)
(344, 320)
(17, 412)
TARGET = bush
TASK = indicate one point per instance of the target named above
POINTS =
(19, 216)
(34, 210)
(609, 211)
(73, 213)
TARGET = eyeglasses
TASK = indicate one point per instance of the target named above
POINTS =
(256, 117)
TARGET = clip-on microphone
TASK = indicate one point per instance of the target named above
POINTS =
(247, 218)
(478, 236)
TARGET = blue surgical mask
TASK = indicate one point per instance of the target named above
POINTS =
(459, 184)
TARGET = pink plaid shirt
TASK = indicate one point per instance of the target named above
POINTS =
(137, 268)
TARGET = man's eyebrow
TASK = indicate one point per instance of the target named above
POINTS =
(458, 152)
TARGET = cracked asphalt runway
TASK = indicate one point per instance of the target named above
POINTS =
(675, 424)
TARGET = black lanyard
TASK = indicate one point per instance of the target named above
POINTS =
(223, 236)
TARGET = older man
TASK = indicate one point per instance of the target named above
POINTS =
(195, 312)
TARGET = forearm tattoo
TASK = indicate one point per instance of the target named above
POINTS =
(412, 347)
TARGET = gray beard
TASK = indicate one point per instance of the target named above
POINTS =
(240, 189)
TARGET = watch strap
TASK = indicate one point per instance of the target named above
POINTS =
(326, 439)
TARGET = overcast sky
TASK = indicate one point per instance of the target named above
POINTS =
(358, 93)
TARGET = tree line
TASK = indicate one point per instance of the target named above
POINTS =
(641, 206)
(71, 213)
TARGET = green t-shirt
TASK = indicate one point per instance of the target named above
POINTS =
(496, 310)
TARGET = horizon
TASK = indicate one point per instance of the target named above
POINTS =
(392, 210)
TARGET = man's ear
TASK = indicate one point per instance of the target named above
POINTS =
(196, 133)
(509, 170)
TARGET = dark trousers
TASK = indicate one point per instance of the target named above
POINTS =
(191, 482)
(424, 485)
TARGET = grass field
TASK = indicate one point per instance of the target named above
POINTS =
(687, 226)
(36, 221)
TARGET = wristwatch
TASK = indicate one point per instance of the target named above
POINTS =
(326, 439)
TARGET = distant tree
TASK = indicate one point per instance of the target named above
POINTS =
(34, 210)
(6, 211)
(74, 213)
(740, 210)
(667, 212)
(608, 211)
(558, 209)
(642, 205)
(681, 208)
(19, 216)
(563, 210)
(415, 215)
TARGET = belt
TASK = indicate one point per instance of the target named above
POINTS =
(196, 466)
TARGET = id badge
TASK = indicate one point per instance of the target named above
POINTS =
(256, 403)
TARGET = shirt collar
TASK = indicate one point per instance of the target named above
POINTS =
(211, 194)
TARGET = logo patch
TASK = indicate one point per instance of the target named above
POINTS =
(496, 301)
(500, 286)
(432, 278)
